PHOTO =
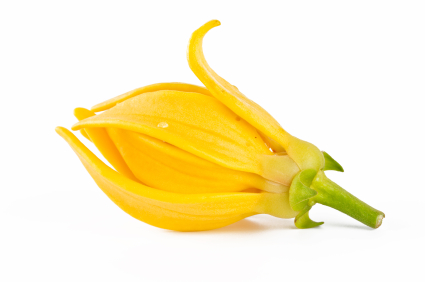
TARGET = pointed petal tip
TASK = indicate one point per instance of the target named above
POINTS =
(79, 110)
(214, 23)
(76, 127)
(207, 26)
(59, 130)
(63, 132)
(82, 113)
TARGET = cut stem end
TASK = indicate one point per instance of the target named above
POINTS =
(332, 195)
(310, 187)
(379, 220)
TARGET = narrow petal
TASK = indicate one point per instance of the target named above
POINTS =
(193, 122)
(161, 165)
(184, 212)
(305, 154)
(104, 144)
(185, 87)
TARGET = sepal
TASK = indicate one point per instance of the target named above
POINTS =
(300, 191)
(331, 164)
(303, 221)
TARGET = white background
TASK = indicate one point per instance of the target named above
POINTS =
(347, 76)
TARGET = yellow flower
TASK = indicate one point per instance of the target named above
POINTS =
(193, 158)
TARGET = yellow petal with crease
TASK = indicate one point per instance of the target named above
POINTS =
(104, 144)
(161, 165)
(183, 212)
(178, 86)
(193, 122)
(306, 155)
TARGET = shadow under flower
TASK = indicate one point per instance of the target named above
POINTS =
(258, 223)
(351, 226)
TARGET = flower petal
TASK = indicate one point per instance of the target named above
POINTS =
(104, 144)
(193, 122)
(184, 212)
(161, 165)
(306, 155)
(178, 86)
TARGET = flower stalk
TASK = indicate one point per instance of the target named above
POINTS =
(332, 195)
(309, 188)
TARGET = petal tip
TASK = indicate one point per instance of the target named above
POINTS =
(78, 111)
(209, 25)
(215, 22)
(62, 131)
(82, 113)
(58, 129)
(76, 126)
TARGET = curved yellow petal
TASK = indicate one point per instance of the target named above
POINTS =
(104, 144)
(193, 122)
(161, 165)
(183, 212)
(178, 86)
(306, 155)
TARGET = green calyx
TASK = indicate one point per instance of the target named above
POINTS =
(303, 221)
(310, 187)
(331, 164)
(300, 195)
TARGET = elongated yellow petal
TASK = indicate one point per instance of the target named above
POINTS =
(104, 144)
(306, 155)
(185, 87)
(161, 165)
(184, 212)
(200, 125)
(193, 122)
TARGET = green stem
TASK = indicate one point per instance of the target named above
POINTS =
(331, 194)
